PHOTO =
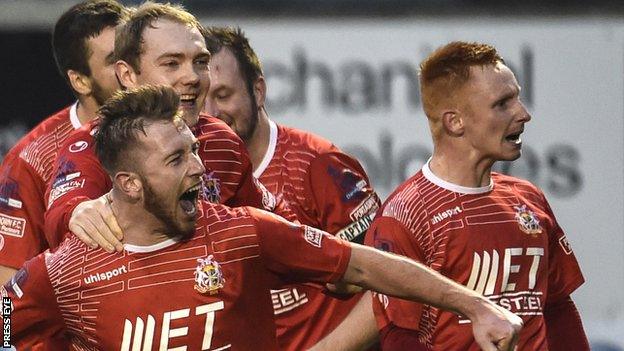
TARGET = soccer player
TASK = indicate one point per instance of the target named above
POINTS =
(493, 233)
(82, 45)
(159, 44)
(325, 187)
(196, 275)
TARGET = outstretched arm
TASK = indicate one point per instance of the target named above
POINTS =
(494, 328)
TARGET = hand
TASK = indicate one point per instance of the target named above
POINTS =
(94, 223)
(341, 288)
(495, 328)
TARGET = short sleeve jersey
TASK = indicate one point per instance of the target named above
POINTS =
(79, 175)
(501, 240)
(207, 293)
(327, 189)
(24, 175)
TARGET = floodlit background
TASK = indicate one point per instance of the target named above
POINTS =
(347, 71)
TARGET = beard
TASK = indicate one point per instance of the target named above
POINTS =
(99, 94)
(154, 204)
(253, 122)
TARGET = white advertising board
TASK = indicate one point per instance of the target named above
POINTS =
(354, 82)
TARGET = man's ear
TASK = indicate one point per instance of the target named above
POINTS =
(79, 82)
(126, 75)
(453, 122)
(259, 91)
(129, 184)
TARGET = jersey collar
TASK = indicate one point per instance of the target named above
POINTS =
(73, 116)
(268, 155)
(454, 187)
(150, 248)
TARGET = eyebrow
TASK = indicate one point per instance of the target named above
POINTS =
(507, 95)
(170, 55)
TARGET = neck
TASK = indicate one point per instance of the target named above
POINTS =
(465, 169)
(139, 227)
(87, 109)
(258, 144)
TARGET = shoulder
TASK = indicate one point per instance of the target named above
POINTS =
(305, 141)
(212, 126)
(49, 125)
(407, 192)
(519, 186)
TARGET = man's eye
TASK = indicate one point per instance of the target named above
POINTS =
(202, 62)
(175, 161)
(170, 63)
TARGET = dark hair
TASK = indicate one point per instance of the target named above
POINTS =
(79, 24)
(448, 68)
(126, 114)
(129, 36)
(235, 40)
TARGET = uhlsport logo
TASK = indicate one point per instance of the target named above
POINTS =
(208, 276)
(527, 220)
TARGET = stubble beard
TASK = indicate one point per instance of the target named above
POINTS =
(154, 205)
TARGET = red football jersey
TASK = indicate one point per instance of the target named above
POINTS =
(326, 189)
(24, 175)
(501, 240)
(208, 293)
(79, 176)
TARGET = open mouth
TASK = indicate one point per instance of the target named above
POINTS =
(188, 200)
(188, 100)
(514, 138)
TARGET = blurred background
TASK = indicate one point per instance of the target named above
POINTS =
(346, 70)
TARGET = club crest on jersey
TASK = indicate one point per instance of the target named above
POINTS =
(527, 220)
(211, 188)
(208, 276)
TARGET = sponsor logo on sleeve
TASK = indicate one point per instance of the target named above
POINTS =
(352, 186)
(64, 185)
(9, 197)
(565, 245)
(527, 220)
(313, 236)
(78, 146)
(13, 226)
(208, 276)
(18, 280)
(211, 188)
(368, 206)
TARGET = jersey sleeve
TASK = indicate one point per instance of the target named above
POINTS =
(35, 316)
(299, 253)
(78, 176)
(341, 195)
(389, 235)
(21, 212)
(564, 273)
(229, 176)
